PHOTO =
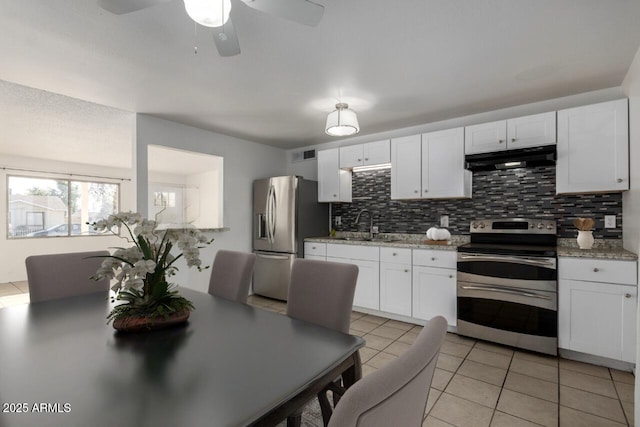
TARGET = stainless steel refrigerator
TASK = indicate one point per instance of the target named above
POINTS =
(285, 212)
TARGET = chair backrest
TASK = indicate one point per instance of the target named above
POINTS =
(231, 275)
(321, 292)
(64, 275)
(397, 393)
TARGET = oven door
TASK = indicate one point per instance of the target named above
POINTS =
(510, 300)
(508, 270)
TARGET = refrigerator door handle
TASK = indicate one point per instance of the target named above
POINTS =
(269, 214)
(281, 257)
(274, 214)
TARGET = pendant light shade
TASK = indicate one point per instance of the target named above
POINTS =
(342, 121)
(210, 13)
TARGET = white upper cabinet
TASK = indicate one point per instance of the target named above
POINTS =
(351, 156)
(521, 132)
(429, 166)
(334, 184)
(593, 148)
(443, 172)
(406, 165)
(531, 131)
(485, 137)
(372, 153)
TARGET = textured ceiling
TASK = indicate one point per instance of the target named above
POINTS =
(397, 64)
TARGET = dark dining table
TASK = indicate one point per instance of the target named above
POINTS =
(230, 365)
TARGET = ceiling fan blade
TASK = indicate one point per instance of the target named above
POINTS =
(226, 40)
(120, 7)
(301, 11)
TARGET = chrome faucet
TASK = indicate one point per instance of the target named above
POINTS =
(357, 221)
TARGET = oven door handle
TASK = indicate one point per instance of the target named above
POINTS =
(506, 291)
(518, 260)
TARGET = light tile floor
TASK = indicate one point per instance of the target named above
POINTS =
(478, 383)
(483, 384)
(14, 293)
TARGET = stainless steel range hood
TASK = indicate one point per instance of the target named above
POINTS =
(523, 157)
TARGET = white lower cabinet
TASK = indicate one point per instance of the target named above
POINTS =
(395, 281)
(413, 283)
(317, 251)
(434, 293)
(367, 258)
(434, 285)
(597, 307)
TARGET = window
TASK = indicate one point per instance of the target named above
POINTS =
(40, 207)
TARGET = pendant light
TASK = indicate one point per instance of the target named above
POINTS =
(342, 121)
(210, 13)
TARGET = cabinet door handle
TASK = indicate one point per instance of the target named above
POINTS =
(627, 295)
(426, 191)
(433, 258)
(500, 141)
(359, 160)
(513, 140)
(313, 247)
(415, 191)
(451, 276)
(335, 195)
(366, 158)
(595, 270)
(619, 180)
(406, 271)
(394, 254)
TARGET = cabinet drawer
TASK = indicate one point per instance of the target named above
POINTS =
(313, 248)
(395, 255)
(366, 253)
(435, 258)
(598, 270)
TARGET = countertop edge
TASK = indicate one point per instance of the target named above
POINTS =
(563, 251)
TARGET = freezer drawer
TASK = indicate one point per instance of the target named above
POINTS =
(272, 274)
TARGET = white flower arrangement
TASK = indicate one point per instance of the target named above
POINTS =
(140, 271)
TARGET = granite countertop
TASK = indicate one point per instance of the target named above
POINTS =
(605, 249)
(409, 241)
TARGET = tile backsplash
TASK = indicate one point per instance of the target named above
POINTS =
(521, 192)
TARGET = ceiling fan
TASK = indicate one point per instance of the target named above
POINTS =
(215, 14)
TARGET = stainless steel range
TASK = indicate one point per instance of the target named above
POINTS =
(507, 283)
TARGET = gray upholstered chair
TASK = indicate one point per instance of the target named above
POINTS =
(395, 395)
(321, 292)
(231, 275)
(64, 275)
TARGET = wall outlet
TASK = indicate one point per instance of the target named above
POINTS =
(609, 221)
(337, 220)
(444, 221)
(374, 229)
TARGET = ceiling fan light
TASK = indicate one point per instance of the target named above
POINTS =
(210, 13)
(342, 121)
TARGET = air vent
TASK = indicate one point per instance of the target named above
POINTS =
(300, 156)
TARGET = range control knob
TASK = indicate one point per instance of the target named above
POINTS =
(474, 224)
(549, 227)
(540, 226)
(482, 225)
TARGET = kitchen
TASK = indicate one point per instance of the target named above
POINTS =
(247, 160)
(498, 193)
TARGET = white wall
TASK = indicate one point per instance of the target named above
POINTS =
(14, 251)
(308, 169)
(244, 161)
(631, 199)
